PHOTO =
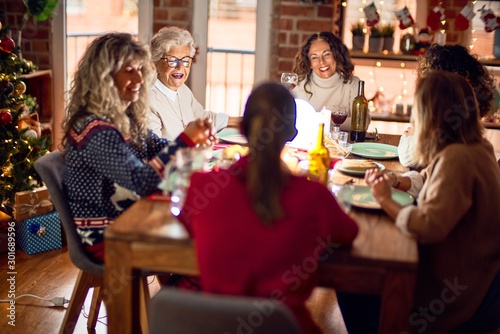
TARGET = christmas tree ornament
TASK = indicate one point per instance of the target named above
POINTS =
(7, 170)
(31, 122)
(435, 17)
(30, 134)
(405, 18)
(5, 117)
(491, 21)
(372, 16)
(7, 44)
(6, 87)
(19, 88)
(462, 21)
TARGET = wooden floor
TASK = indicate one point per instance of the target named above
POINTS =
(51, 274)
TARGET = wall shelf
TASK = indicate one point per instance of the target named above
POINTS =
(394, 60)
(39, 85)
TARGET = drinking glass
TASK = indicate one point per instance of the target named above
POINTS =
(343, 194)
(289, 79)
(338, 115)
(343, 138)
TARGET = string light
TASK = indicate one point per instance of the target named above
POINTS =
(473, 31)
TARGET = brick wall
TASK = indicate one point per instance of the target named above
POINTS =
(35, 43)
(292, 22)
(172, 13)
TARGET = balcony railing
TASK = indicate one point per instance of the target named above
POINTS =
(230, 77)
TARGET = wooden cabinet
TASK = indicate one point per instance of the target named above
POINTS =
(39, 85)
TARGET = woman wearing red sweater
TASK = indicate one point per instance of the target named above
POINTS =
(260, 230)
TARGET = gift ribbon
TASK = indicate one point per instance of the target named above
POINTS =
(32, 208)
(37, 228)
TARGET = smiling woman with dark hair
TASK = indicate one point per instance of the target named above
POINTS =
(325, 73)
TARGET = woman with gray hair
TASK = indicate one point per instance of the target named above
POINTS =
(172, 103)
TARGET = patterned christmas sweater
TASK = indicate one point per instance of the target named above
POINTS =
(105, 175)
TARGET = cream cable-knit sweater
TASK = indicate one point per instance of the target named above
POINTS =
(164, 117)
(329, 92)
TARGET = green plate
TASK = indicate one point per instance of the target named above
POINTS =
(232, 136)
(375, 151)
(362, 197)
(359, 172)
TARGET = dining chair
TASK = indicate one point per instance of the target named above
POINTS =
(186, 312)
(50, 168)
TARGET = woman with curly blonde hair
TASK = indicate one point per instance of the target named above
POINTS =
(111, 158)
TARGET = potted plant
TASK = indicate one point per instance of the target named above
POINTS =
(387, 32)
(375, 40)
(358, 36)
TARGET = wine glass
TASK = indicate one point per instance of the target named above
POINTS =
(289, 79)
(338, 116)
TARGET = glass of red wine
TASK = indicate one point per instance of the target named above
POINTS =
(338, 116)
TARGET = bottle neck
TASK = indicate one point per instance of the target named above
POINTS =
(361, 88)
(319, 140)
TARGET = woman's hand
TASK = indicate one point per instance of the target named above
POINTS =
(381, 188)
(373, 174)
(201, 131)
(380, 184)
(408, 131)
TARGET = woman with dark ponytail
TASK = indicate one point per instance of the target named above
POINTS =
(255, 224)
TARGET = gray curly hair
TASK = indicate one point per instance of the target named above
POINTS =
(166, 37)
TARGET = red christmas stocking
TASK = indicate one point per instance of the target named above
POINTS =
(435, 17)
(372, 17)
(491, 22)
(463, 18)
(404, 17)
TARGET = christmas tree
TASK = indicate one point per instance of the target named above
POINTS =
(20, 138)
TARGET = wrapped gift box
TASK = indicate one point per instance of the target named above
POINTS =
(32, 203)
(39, 234)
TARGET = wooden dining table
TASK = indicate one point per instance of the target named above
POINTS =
(382, 260)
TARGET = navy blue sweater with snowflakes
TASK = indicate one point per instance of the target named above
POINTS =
(105, 174)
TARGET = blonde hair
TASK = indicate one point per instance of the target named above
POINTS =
(268, 123)
(93, 90)
(446, 112)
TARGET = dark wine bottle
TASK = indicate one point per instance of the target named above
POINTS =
(359, 117)
(319, 159)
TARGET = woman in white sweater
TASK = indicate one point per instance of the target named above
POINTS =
(325, 73)
(172, 103)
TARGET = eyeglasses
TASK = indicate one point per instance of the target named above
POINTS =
(173, 62)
